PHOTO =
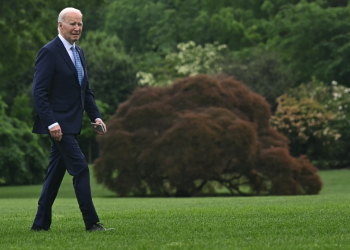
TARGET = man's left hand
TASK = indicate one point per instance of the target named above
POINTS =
(99, 121)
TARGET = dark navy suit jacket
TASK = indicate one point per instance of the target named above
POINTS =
(57, 94)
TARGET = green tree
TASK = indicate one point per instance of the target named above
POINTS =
(263, 71)
(26, 26)
(111, 74)
(23, 33)
(131, 20)
(19, 24)
(151, 25)
(314, 41)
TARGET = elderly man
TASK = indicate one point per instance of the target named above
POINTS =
(61, 93)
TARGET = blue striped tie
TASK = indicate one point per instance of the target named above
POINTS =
(78, 64)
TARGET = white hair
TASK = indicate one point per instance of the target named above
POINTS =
(63, 13)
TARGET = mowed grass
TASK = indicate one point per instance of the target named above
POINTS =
(284, 222)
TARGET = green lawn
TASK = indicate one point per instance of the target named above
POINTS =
(294, 222)
(66, 190)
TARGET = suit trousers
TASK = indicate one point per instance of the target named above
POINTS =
(66, 155)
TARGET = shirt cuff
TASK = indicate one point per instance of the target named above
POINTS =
(98, 119)
(53, 125)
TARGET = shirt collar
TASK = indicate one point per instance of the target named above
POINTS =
(66, 44)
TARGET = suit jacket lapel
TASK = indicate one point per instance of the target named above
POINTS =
(66, 57)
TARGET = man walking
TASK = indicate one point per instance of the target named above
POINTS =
(61, 94)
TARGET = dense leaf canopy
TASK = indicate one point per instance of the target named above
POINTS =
(22, 161)
(195, 135)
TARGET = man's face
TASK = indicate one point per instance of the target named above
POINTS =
(72, 27)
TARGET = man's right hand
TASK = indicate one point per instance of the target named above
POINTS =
(56, 133)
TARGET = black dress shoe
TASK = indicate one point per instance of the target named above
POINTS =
(37, 228)
(97, 227)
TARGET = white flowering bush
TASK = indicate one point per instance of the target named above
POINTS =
(315, 118)
(334, 97)
(145, 78)
(195, 59)
(190, 60)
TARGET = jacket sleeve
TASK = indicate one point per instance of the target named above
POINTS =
(90, 105)
(43, 76)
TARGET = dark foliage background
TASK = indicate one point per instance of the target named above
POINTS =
(271, 46)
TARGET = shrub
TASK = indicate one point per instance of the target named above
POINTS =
(315, 117)
(22, 109)
(307, 124)
(22, 161)
(195, 137)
